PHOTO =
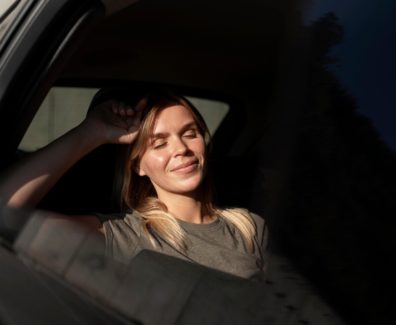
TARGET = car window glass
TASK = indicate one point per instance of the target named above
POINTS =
(65, 107)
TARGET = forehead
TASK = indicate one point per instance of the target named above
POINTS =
(172, 117)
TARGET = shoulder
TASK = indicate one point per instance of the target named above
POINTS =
(259, 223)
(261, 229)
(258, 220)
(121, 222)
(124, 235)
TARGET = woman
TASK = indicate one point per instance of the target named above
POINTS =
(165, 188)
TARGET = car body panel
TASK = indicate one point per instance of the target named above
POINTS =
(29, 296)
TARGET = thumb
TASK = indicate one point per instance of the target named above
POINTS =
(126, 136)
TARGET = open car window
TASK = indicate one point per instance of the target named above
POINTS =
(65, 107)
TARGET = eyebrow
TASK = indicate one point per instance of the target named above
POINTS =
(162, 135)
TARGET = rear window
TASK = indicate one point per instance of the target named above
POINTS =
(65, 107)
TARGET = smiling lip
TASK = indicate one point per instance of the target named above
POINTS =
(186, 167)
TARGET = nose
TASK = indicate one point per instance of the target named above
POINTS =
(179, 146)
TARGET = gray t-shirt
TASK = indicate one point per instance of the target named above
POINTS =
(217, 245)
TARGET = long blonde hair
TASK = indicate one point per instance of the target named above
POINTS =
(137, 192)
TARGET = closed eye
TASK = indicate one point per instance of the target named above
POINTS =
(159, 143)
(190, 133)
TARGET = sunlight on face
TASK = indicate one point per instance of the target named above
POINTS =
(175, 157)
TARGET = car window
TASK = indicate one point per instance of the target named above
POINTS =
(65, 107)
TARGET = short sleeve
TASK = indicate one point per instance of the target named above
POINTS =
(264, 238)
(262, 231)
(261, 239)
(122, 236)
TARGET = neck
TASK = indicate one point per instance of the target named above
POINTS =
(184, 207)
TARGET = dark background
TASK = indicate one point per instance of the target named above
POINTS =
(338, 212)
(365, 58)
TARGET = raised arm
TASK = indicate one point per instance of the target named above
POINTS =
(28, 181)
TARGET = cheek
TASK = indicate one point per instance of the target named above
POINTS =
(200, 148)
(153, 163)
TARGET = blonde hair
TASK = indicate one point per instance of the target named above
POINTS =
(137, 192)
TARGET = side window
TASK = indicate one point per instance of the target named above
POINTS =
(212, 111)
(65, 107)
(62, 109)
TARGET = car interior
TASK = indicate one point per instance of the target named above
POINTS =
(283, 137)
(204, 60)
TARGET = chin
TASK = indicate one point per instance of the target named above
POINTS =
(190, 186)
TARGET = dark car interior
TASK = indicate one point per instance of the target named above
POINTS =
(292, 147)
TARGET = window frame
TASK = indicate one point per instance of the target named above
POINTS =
(33, 58)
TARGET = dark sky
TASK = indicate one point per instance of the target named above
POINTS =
(367, 57)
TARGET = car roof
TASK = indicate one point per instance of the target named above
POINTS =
(223, 46)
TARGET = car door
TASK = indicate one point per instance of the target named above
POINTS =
(36, 37)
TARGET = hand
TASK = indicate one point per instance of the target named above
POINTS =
(114, 122)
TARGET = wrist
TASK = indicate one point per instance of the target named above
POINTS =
(87, 137)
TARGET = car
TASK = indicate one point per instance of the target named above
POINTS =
(257, 74)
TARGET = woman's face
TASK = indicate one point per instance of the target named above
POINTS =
(175, 156)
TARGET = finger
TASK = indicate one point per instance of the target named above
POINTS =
(130, 111)
(127, 138)
(123, 109)
(114, 107)
(138, 117)
(134, 122)
(129, 121)
(141, 104)
(133, 128)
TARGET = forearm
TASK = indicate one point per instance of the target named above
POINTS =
(26, 183)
